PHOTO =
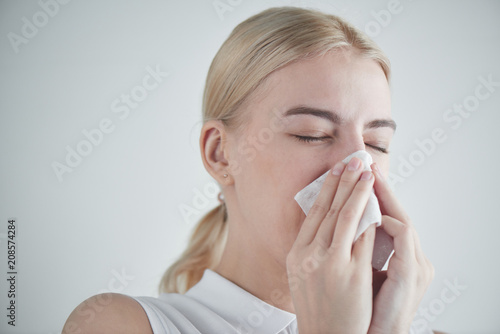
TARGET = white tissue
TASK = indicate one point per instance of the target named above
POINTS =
(372, 215)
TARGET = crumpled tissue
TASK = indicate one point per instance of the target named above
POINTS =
(383, 242)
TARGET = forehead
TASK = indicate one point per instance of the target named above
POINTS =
(342, 81)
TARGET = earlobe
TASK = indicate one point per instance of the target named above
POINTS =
(213, 148)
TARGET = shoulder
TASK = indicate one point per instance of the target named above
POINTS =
(108, 313)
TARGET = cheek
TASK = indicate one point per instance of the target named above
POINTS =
(268, 180)
(383, 164)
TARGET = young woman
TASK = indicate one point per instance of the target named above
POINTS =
(290, 94)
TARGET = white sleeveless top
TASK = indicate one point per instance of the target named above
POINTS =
(215, 305)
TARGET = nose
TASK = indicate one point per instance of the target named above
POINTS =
(346, 147)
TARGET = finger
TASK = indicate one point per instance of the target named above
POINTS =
(346, 184)
(350, 215)
(389, 205)
(426, 268)
(404, 242)
(419, 253)
(362, 251)
(320, 207)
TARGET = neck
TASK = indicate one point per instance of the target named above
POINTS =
(253, 269)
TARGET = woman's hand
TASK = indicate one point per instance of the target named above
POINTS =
(409, 272)
(330, 279)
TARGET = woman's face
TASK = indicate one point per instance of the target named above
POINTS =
(305, 118)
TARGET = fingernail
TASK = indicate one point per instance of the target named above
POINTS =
(366, 175)
(354, 164)
(338, 168)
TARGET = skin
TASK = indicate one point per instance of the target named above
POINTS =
(264, 254)
(259, 194)
(306, 265)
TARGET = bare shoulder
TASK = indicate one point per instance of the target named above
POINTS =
(108, 313)
(437, 332)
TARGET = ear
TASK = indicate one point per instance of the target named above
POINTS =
(213, 148)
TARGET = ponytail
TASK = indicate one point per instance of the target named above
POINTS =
(203, 251)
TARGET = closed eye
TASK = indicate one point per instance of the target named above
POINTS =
(310, 139)
(378, 148)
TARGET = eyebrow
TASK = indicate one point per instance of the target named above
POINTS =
(325, 114)
(381, 123)
(335, 118)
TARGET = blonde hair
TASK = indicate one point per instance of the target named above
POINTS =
(256, 48)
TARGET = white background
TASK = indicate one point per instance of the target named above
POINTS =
(118, 211)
